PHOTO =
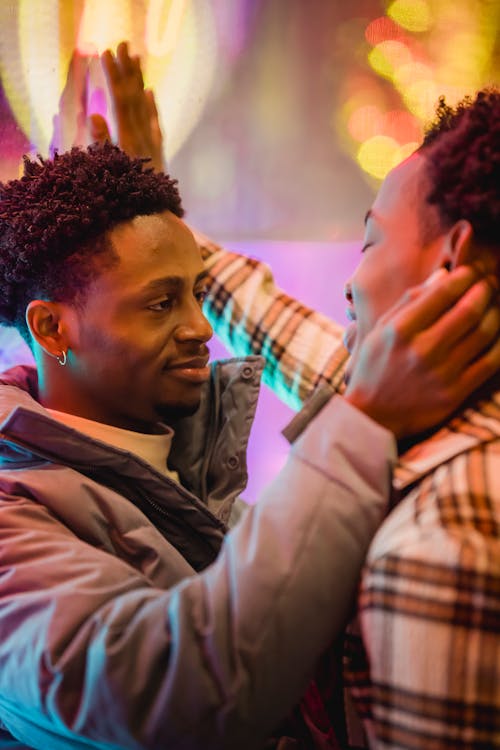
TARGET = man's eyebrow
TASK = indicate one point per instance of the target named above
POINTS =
(171, 282)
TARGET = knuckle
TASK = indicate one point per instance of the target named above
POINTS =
(391, 333)
(412, 294)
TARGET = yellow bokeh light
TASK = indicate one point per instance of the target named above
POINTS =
(464, 57)
(410, 73)
(165, 44)
(177, 41)
(377, 155)
(387, 57)
(421, 97)
(103, 25)
(452, 55)
(413, 15)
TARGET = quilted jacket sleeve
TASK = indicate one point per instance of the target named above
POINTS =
(93, 656)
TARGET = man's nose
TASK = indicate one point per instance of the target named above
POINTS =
(194, 325)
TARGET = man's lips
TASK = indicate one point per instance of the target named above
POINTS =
(195, 370)
(196, 363)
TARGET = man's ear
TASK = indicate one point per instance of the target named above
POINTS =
(45, 324)
(459, 245)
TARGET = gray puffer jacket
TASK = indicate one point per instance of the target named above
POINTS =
(110, 637)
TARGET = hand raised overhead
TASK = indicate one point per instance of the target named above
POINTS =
(133, 107)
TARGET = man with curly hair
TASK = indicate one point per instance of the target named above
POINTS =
(128, 618)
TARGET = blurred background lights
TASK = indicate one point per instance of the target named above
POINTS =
(382, 29)
(103, 25)
(386, 57)
(163, 26)
(414, 15)
(421, 96)
(365, 122)
(411, 73)
(175, 38)
(401, 126)
(418, 51)
(277, 86)
(377, 155)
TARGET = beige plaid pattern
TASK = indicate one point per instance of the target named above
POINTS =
(422, 661)
(427, 674)
(303, 349)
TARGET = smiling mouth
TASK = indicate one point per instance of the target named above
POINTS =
(195, 370)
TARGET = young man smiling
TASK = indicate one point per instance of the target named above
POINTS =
(140, 351)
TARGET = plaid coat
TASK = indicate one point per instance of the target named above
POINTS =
(422, 658)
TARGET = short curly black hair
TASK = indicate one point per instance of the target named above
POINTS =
(54, 222)
(462, 149)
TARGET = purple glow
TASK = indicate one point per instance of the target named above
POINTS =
(315, 272)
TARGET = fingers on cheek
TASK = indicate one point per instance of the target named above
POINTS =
(489, 327)
(476, 356)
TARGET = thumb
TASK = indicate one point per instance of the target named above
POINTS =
(98, 128)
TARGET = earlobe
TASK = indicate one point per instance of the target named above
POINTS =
(44, 322)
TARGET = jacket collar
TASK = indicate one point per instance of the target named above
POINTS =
(208, 451)
(475, 425)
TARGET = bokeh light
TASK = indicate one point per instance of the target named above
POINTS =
(382, 29)
(418, 51)
(365, 122)
(387, 57)
(176, 39)
(413, 15)
(377, 155)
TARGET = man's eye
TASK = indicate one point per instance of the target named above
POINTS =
(161, 306)
(201, 296)
(366, 246)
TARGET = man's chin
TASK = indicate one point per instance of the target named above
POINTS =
(172, 413)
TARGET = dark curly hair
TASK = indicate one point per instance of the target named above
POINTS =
(54, 222)
(462, 147)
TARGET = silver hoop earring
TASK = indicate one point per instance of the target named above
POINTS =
(62, 358)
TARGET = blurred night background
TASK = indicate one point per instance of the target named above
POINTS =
(281, 118)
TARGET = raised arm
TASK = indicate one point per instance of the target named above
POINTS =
(303, 349)
(141, 653)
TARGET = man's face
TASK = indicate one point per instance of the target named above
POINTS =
(138, 345)
(395, 255)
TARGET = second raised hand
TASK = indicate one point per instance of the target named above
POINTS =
(134, 109)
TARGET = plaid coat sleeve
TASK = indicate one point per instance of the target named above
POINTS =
(430, 613)
(251, 315)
